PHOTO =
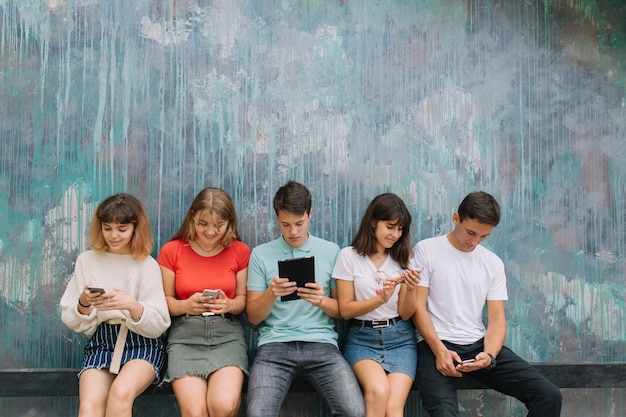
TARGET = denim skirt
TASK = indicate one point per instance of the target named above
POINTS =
(99, 349)
(200, 345)
(394, 346)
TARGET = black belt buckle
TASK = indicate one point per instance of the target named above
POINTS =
(377, 324)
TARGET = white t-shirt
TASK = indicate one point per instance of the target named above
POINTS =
(459, 285)
(351, 266)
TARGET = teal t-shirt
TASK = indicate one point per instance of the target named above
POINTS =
(295, 320)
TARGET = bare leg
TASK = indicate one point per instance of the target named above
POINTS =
(400, 386)
(373, 380)
(224, 393)
(93, 392)
(134, 377)
(191, 394)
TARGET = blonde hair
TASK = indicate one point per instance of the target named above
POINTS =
(122, 209)
(217, 202)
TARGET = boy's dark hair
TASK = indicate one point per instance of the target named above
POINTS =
(480, 206)
(385, 207)
(294, 198)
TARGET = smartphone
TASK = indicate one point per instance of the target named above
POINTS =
(212, 294)
(468, 361)
(96, 289)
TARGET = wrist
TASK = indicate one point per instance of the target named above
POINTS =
(493, 362)
(140, 312)
(83, 305)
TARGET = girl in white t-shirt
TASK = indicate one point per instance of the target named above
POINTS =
(376, 283)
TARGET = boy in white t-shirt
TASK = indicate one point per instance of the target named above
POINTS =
(459, 277)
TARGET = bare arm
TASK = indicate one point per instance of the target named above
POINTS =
(193, 305)
(494, 337)
(314, 294)
(260, 304)
(238, 304)
(445, 358)
(496, 327)
(407, 300)
(348, 307)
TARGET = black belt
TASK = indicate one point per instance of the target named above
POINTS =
(228, 316)
(375, 324)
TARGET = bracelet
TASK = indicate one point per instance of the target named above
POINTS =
(83, 305)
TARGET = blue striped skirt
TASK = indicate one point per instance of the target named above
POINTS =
(99, 349)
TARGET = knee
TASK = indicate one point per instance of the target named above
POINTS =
(377, 393)
(225, 407)
(121, 394)
(194, 411)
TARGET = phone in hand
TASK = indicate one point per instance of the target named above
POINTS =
(96, 290)
(212, 294)
(468, 361)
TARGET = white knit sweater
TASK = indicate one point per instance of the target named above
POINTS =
(141, 279)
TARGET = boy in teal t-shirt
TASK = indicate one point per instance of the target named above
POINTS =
(297, 338)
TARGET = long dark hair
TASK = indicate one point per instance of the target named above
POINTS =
(385, 207)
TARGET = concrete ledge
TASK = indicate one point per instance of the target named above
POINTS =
(62, 382)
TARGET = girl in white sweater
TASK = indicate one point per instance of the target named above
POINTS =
(116, 290)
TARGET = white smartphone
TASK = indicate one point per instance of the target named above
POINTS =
(468, 361)
(212, 294)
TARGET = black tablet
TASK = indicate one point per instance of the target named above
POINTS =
(300, 270)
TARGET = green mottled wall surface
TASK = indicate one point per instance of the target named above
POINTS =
(429, 99)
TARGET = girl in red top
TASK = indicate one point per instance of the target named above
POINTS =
(207, 356)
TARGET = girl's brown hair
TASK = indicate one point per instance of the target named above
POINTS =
(122, 209)
(385, 207)
(217, 202)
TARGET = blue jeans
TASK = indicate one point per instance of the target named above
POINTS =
(512, 376)
(276, 365)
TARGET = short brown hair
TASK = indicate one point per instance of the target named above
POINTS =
(480, 206)
(294, 198)
(123, 209)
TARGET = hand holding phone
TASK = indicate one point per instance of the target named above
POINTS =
(212, 294)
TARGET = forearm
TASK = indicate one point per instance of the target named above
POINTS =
(494, 338)
(136, 310)
(330, 306)
(353, 309)
(496, 327)
(238, 304)
(176, 307)
(407, 304)
(259, 305)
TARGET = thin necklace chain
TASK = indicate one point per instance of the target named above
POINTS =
(204, 250)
